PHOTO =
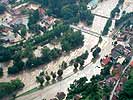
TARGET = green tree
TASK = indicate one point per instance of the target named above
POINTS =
(8, 88)
(12, 1)
(64, 65)
(2, 8)
(105, 72)
(72, 40)
(40, 79)
(77, 87)
(96, 52)
(23, 31)
(107, 26)
(53, 75)
(34, 18)
(60, 73)
(81, 62)
(47, 78)
(1, 72)
(127, 92)
(93, 92)
(5, 54)
(67, 12)
(75, 65)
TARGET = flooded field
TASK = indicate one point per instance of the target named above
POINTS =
(29, 77)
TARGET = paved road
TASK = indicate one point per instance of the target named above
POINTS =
(85, 30)
(103, 16)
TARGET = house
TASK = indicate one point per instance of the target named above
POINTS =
(131, 42)
(92, 4)
(116, 69)
(106, 60)
(122, 37)
(77, 97)
(47, 21)
(4, 1)
(41, 11)
(114, 97)
(120, 51)
(117, 51)
(131, 63)
(121, 60)
(112, 80)
(33, 6)
(16, 21)
(118, 89)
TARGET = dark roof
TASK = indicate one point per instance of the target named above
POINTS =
(117, 51)
(131, 41)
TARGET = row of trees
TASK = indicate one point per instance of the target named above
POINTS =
(8, 88)
(114, 11)
(44, 76)
(107, 26)
(112, 15)
(117, 8)
(109, 21)
(79, 60)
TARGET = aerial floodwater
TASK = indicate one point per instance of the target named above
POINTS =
(66, 49)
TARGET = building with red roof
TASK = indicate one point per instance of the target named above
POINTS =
(105, 61)
(131, 64)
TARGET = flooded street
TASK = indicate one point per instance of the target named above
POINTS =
(104, 8)
(29, 77)
(98, 24)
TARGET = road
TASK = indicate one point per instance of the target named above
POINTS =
(88, 71)
(117, 83)
(85, 30)
(103, 16)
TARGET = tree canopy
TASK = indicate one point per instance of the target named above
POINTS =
(72, 40)
(7, 88)
(2, 8)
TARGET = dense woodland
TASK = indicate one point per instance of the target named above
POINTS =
(8, 88)
(71, 11)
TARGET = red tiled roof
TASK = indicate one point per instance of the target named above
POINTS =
(118, 88)
(131, 64)
(41, 10)
(124, 79)
(106, 60)
(114, 97)
(117, 76)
